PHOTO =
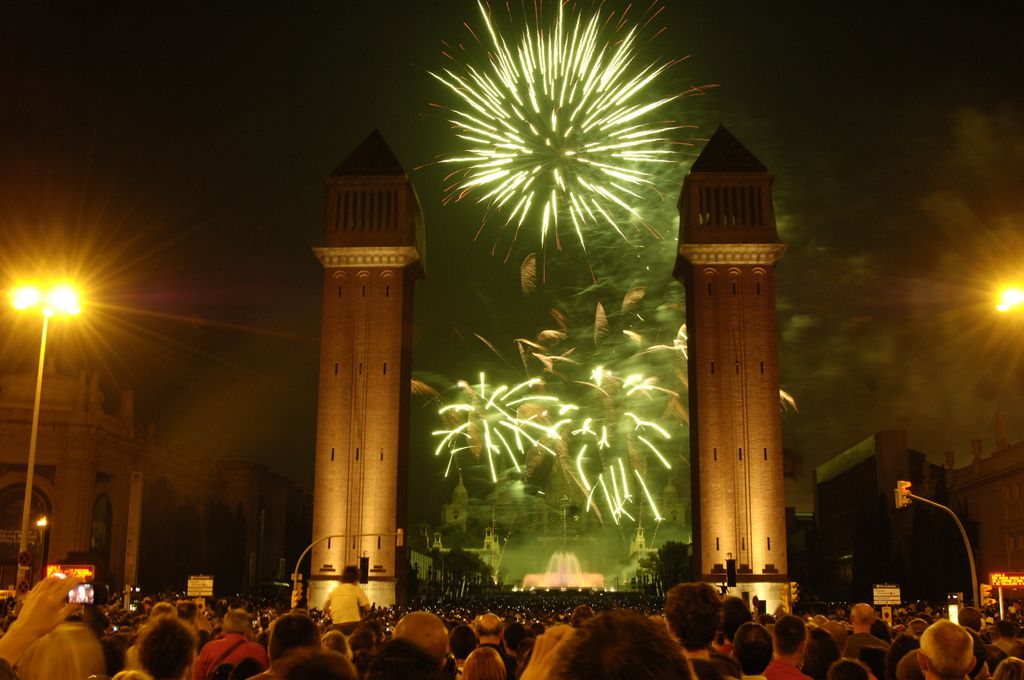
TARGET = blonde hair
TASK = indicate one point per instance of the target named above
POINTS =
(1010, 668)
(132, 675)
(484, 663)
(336, 640)
(69, 652)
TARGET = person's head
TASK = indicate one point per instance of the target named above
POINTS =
(917, 626)
(236, 621)
(947, 651)
(1005, 629)
(132, 675)
(400, 659)
(861, 617)
(752, 648)
(848, 669)
(820, 653)
(789, 636)
(68, 652)
(484, 663)
(909, 668)
(900, 647)
(1010, 668)
(513, 634)
(167, 647)
(969, 617)
(620, 644)
(163, 609)
(838, 633)
(245, 669)
(336, 641)
(880, 629)
(350, 574)
(734, 614)
(289, 633)
(187, 610)
(323, 664)
(488, 628)
(425, 630)
(362, 640)
(462, 641)
(580, 615)
(694, 613)
(874, 659)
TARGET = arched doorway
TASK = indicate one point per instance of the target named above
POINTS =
(11, 503)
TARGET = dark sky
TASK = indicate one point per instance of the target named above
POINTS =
(172, 156)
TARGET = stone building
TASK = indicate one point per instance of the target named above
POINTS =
(119, 498)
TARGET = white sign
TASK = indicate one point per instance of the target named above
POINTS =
(887, 593)
(200, 586)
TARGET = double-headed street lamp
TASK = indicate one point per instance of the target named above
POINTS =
(60, 299)
(1011, 299)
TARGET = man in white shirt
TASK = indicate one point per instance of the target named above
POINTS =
(347, 604)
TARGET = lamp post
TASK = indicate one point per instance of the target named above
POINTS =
(42, 523)
(61, 299)
(1010, 299)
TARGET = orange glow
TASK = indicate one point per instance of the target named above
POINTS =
(1007, 579)
(86, 572)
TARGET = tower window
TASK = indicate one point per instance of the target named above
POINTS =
(733, 287)
(709, 288)
(714, 453)
(332, 454)
(382, 454)
(758, 287)
(762, 368)
(335, 368)
(364, 291)
(737, 368)
(387, 291)
(743, 543)
(339, 291)
(766, 453)
(741, 454)
(357, 453)
(378, 543)
(717, 546)
(360, 368)
(385, 368)
(712, 368)
(769, 544)
(328, 543)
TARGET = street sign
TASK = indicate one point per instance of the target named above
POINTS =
(887, 593)
(24, 559)
(1003, 579)
(200, 586)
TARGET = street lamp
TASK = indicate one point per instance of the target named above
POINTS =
(59, 299)
(1010, 299)
(41, 524)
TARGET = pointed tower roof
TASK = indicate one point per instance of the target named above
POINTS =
(371, 158)
(725, 153)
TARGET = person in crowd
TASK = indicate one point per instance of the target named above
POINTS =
(752, 648)
(511, 636)
(916, 626)
(862, 617)
(484, 663)
(132, 675)
(336, 641)
(167, 648)
(734, 614)
(323, 664)
(874, 659)
(363, 644)
(523, 652)
(947, 652)
(233, 645)
(347, 604)
(903, 644)
(849, 669)
(401, 659)
(193, 612)
(820, 653)
(245, 669)
(156, 611)
(489, 629)
(1010, 668)
(70, 651)
(1001, 633)
(789, 640)
(580, 615)
(694, 615)
(838, 632)
(616, 644)
(909, 668)
(970, 618)
(462, 642)
(428, 632)
(291, 635)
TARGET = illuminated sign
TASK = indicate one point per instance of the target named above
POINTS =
(1007, 579)
(85, 572)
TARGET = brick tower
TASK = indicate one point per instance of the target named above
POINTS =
(371, 249)
(728, 247)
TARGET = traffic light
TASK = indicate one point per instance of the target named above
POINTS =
(902, 494)
(297, 594)
(986, 595)
(794, 591)
(399, 537)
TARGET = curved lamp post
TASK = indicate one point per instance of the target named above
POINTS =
(59, 299)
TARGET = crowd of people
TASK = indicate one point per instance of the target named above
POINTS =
(693, 634)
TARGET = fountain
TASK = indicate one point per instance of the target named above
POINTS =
(563, 572)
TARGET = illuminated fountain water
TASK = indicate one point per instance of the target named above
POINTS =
(563, 572)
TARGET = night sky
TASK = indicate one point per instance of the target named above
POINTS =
(172, 158)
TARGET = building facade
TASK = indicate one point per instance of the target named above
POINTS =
(371, 249)
(728, 247)
(117, 497)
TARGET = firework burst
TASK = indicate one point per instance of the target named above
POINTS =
(558, 127)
